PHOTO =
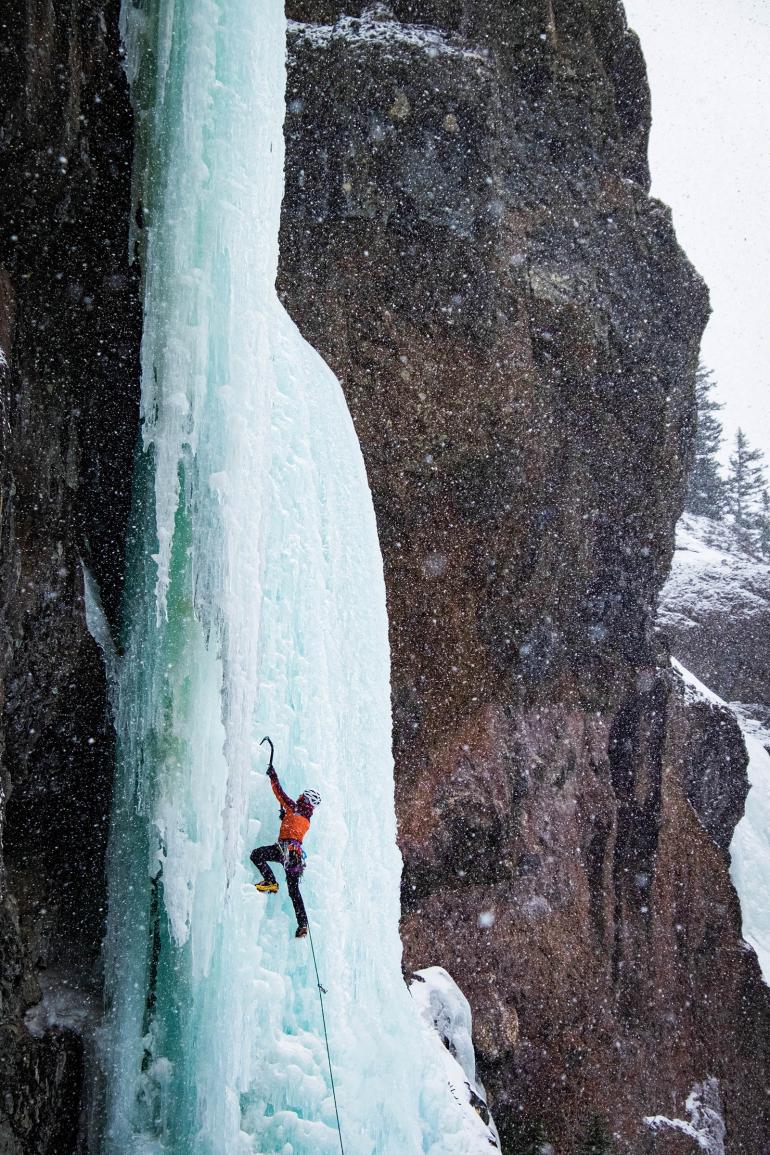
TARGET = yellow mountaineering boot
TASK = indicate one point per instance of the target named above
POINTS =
(266, 887)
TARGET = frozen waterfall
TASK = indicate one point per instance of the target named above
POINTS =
(255, 604)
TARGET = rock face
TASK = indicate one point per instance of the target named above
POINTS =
(469, 241)
(714, 770)
(466, 242)
(69, 331)
(614, 928)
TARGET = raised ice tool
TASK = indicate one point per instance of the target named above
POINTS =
(272, 750)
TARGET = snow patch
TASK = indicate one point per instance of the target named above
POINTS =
(96, 621)
(444, 1006)
(694, 689)
(706, 1126)
(711, 572)
(372, 28)
(63, 1004)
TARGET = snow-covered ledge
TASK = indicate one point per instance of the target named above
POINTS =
(706, 1125)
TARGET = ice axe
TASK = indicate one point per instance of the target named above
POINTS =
(272, 751)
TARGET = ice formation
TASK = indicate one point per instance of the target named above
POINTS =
(445, 1008)
(255, 603)
(63, 1003)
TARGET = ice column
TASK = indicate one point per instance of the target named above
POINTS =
(255, 603)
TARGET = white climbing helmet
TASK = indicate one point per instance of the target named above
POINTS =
(313, 797)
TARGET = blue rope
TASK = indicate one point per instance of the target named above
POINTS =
(321, 993)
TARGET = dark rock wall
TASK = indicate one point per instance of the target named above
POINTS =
(69, 331)
(714, 770)
(515, 327)
(728, 651)
(469, 241)
(610, 930)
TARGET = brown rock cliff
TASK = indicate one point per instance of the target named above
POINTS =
(469, 241)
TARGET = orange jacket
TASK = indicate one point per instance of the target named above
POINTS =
(296, 819)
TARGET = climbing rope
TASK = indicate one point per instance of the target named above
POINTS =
(321, 993)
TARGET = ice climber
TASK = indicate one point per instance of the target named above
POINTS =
(295, 822)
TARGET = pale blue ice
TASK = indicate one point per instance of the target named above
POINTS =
(255, 604)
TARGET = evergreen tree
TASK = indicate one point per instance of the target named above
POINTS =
(525, 1138)
(537, 1139)
(597, 1139)
(705, 486)
(764, 524)
(745, 483)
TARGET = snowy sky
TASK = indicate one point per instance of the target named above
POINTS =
(709, 68)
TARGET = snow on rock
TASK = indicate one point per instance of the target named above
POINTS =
(694, 689)
(750, 846)
(377, 26)
(97, 623)
(706, 1126)
(63, 1003)
(715, 609)
(711, 572)
(444, 1007)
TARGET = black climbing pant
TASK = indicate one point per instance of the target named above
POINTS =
(264, 854)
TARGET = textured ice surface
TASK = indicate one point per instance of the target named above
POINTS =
(750, 847)
(255, 604)
(445, 1008)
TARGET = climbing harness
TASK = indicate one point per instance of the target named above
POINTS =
(294, 857)
(321, 992)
